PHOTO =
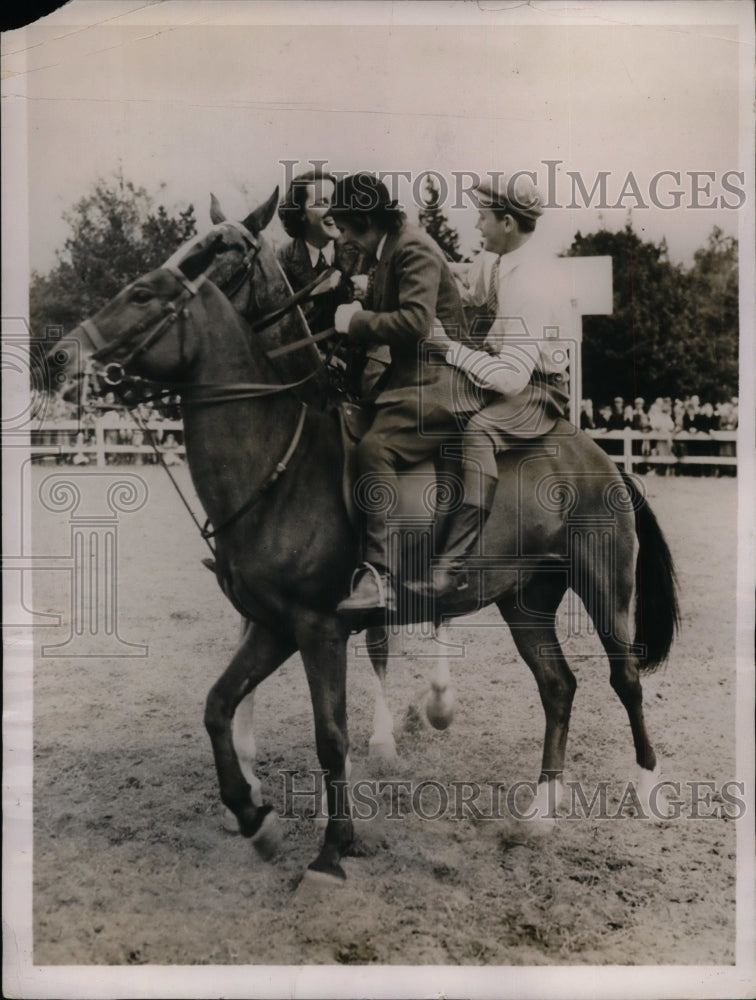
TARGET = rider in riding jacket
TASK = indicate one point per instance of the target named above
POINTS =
(411, 296)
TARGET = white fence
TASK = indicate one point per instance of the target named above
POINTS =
(98, 442)
(646, 448)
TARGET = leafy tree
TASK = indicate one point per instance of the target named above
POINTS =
(714, 317)
(673, 330)
(116, 234)
(435, 223)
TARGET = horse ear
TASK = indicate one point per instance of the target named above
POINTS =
(216, 212)
(259, 219)
(199, 259)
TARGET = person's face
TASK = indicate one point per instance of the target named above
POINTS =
(368, 240)
(319, 226)
(496, 231)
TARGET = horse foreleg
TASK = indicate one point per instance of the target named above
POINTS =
(243, 735)
(382, 745)
(258, 655)
(322, 643)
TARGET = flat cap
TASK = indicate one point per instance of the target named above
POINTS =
(516, 192)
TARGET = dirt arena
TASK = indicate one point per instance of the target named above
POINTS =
(132, 864)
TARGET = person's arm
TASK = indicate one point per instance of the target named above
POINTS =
(507, 372)
(418, 272)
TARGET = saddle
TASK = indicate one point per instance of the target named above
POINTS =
(429, 492)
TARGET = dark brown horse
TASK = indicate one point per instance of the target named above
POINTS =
(267, 470)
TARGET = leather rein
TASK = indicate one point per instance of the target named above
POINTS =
(199, 394)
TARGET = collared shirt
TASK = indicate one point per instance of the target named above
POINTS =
(315, 252)
(534, 321)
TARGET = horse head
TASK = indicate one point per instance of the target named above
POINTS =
(248, 272)
(160, 326)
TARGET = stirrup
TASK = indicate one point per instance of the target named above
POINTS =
(376, 576)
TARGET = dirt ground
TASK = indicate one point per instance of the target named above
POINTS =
(132, 864)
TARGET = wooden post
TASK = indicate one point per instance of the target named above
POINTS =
(99, 442)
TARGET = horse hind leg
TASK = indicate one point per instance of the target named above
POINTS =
(258, 655)
(532, 620)
(608, 599)
(382, 745)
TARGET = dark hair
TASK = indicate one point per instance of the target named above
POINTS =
(291, 209)
(361, 200)
(523, 224)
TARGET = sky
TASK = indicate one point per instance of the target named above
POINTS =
(185, 98)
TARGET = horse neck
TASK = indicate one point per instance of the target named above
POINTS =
(265, 290)
(231, 446)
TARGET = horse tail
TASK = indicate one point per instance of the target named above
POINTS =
(657, 612)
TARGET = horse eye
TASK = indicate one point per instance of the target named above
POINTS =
(141, 295)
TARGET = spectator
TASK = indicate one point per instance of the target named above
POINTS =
(602, 418)
(639, 422)
(661, 422)
(617, 417)
(587, 423)
(170, 451)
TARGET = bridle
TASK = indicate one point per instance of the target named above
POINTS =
(197, 394)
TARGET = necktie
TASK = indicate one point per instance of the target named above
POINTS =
(492, 302)
(368, 301)
(322, 264)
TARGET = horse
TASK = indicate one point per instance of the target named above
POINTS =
(266, 468)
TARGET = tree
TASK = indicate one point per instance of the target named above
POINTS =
(116, 234)
(434, 222)
(714, 312)
(673, 331)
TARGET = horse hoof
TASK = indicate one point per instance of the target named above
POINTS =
(539, 827)
(439, 707)
(382, 750)
(313, 879)
(230, 822)
(652, 796)
(268, 839)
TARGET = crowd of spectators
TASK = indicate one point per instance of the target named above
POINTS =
(672, 426)
(121, 428)
(676, 428)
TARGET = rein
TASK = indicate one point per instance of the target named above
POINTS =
(209, 394)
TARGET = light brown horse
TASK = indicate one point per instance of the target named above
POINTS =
(266, 469)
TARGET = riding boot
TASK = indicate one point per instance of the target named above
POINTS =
(372, 590)
(462, 541)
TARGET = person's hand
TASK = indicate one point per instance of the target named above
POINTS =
(359, 286)
(344, 315)
(328, 284)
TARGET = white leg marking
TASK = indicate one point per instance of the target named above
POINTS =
(382, 743)
(244, 743)
(651, 795)
(439, 705)
(541, 815)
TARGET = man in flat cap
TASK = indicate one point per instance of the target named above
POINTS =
(524, 360)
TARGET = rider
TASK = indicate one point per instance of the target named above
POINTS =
(525, 360)
(412, 294)
(305, 214)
